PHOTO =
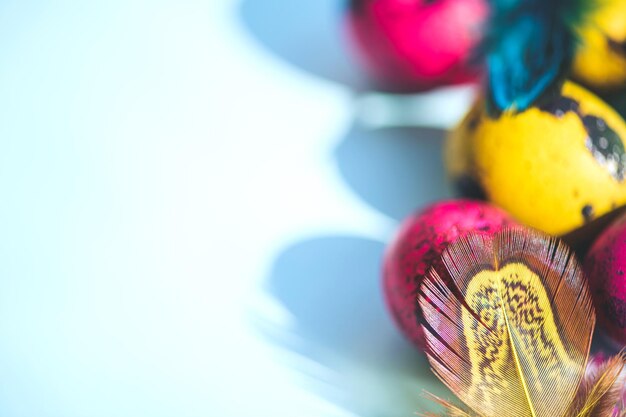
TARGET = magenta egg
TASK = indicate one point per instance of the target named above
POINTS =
(419, 244)
(417, 44)
(605, 267)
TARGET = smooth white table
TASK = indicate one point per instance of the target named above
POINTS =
(192, 216)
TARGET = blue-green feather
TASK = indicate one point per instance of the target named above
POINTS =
(529, 49)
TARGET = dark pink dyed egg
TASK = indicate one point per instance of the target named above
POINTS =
(417, 44)
(605, 267)
(419, 244)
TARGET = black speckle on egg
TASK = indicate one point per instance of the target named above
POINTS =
(602, 141)
(561, 105)
(614, 308)
(472, 122)
(587, 212)
(470, 188)
(606, 146)
(616, 46)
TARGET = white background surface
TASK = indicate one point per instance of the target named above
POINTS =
(191, 221)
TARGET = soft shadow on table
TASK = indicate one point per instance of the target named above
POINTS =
(331, 287)
(340, 338)
(308, 34)
(394, 170)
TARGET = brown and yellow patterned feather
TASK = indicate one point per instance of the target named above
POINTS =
(509, 330)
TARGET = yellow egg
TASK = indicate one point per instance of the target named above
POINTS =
(600, 61)
(554, 168)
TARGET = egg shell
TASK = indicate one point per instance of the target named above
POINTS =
(605, 268)
(600, 61)
(418, 246)
(541, 165)
(414, 45)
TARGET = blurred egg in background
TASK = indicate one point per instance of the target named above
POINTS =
(601, 59)
(419, 44)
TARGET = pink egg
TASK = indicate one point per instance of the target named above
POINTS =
(418, 246)
(417, 44)
(605, 267)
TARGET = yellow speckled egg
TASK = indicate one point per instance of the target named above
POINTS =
(601, 59)
(554, 167)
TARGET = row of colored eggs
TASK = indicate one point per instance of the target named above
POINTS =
(424, 236)
(418, 44)
(577, 175)
(559, 167)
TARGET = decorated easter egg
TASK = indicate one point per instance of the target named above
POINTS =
(418, 245)
(600, 61)
(417, 44)
(605, 267)
(554, 167)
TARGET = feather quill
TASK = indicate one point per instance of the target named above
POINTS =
(508, 329)
(451, 409)
(529, 47)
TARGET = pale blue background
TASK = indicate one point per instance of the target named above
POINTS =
(191, 219)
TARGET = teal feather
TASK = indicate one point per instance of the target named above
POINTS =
(529, 49)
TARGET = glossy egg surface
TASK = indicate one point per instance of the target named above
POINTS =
(417, 44)
(554, 168)
(605, 267)
(600, 61)
(418, 246)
